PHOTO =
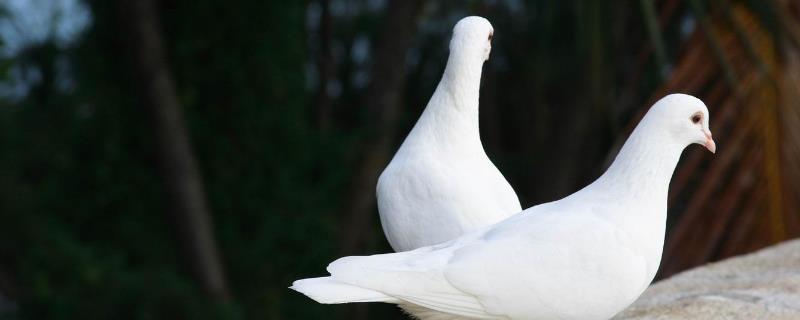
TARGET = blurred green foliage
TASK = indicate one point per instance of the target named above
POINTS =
(84, 225)
(84, 228)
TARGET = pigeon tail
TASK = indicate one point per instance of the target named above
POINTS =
(327, 290)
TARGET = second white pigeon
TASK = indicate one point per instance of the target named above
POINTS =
(587, 256)
(440, 183)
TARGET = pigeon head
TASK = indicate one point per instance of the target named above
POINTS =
(472, 36)
(685, 118)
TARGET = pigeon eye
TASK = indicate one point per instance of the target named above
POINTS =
(490, 36)
(696, 118)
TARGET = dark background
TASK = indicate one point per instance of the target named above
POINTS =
(186, 159)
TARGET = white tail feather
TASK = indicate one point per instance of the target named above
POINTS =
(329, 291)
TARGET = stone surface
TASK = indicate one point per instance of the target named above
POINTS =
(760, 285)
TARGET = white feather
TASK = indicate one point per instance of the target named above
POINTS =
(586, 256)
(440, 183)
(329, 291)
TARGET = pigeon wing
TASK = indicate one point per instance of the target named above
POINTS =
(543, 259)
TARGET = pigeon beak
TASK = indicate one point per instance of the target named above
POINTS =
(710, 144)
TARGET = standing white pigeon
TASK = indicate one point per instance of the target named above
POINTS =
(587, 256)
(440, 183)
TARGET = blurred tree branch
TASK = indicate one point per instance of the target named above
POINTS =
(714, 43)
(190, 212)
(654, 31)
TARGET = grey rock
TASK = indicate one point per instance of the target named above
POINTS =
(760, 285)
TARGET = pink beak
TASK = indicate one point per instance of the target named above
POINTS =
(710, 144)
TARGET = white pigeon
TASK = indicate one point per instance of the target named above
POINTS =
(440, 183)
(586, 256)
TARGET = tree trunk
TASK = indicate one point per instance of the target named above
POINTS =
(382, 98)
(190, 213)
(325, 67)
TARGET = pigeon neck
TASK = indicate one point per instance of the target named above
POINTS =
(462, 81)
(644, 166)
(450, 120)
(638, 181)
